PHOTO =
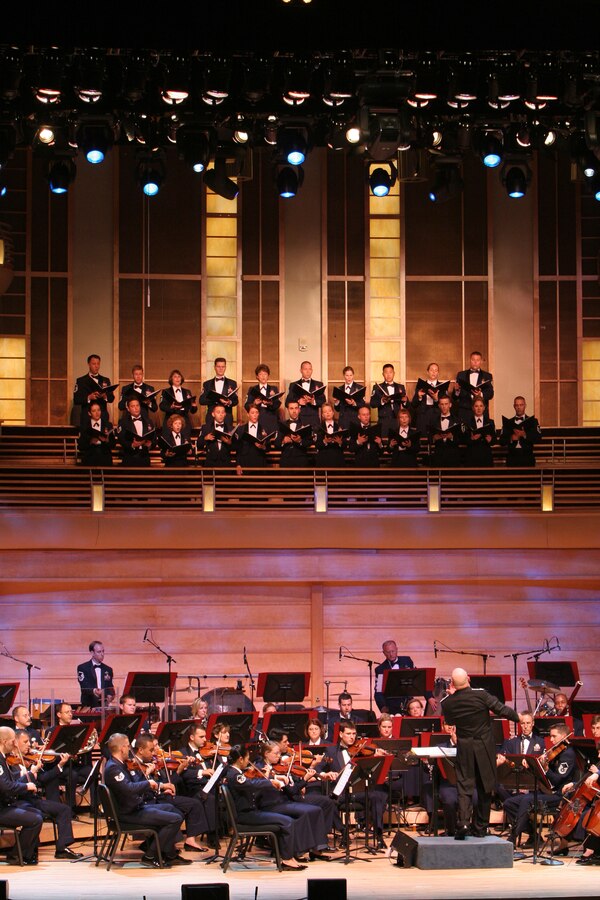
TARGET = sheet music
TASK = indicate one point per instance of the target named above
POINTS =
(211, 781)
(379, 683)
(435, 752)
(342, 780)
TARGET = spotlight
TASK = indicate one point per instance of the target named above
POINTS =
(217, 181)
(61, 175)
(89, 76)
(45, 134)
(176, 80)
(447, 183)
(136, 77)
(596, 189)
(297, 80)
(353, 134)
(49, 78)
(293, 145)
(426, 78)
(194, 147)
(256, 79)
(338, 78)
(217, 77)
(151, 173)
(464, 82)
(505, 80)
(289, 181)
(491, 150)
(381, 180)
(241, 137)
(516, 183)
(94, 142)
(3, 188)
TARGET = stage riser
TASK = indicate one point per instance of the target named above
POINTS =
(446, 853)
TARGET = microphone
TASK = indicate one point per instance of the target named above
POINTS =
(435, 649)
(145, 635)
(340, 656)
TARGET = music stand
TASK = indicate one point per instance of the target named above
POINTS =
(293, 723)
(364, 772)
(241, 725)
(283, 687)
(500, 730)
(403, 683)
(543, 724)
(540, 782)
(582, 708)
(557, 671)
(402, 761)
(130, 726)
(363, 729)
(150, 688)
(8, 692)
(69, 738)
(497, 685)
(175, 734)
(414, 725)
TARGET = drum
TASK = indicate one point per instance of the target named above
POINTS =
(227, 700)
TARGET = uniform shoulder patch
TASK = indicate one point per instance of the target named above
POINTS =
(1, 771)
(120, 776)
(241, 778)
(80, 676)
(563, 768)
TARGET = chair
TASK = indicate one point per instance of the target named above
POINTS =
(245, 833)
(118, 828)
(15, 831)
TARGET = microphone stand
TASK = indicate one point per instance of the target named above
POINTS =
(531, 654)
(30, 666)
(150, 640)
(483, 656)
(370, 663)
(251, 677)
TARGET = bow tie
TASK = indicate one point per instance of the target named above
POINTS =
(219, 379)
(97, 665)
(445, 417)
(136, 418)
(518, 418)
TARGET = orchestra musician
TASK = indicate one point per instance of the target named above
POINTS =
(528, 741)
(22, 720)
(314, 732)
(60, 813)
(95, 678)
(448, 791)
(591, 845)
(469, 710)
(200, 711)
(15, 809)
(391, 661)
(561, 708)
(78, 768)
(195, 777)
(129, 795)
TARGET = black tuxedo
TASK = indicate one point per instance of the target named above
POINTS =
(515, 745)
(424, 412)
(140, 391)
(86, 675)
(135, 456)
(377, 799)
(465, 397)
(403, 456)
(229, 385)
(365, 455)
(393, 704)
(218, 453)
(444, 452)
(387, 410)
(309, 414)
(520, 453)
(86, 385)
(348, 415)
(330, 455)
(267, 413)
(168, 406)
(248, 455)
(478, 453)
(16, 811)
(178, 461)
(92, 452)
(294, 454)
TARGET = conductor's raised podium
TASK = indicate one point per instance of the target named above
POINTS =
(446, 853)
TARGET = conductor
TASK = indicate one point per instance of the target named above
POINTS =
(469, 710)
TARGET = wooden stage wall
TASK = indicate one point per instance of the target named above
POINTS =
(292, 609)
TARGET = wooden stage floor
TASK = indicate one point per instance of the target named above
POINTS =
(380, 878)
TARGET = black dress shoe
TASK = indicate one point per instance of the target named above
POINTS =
(461, 833)
(314, 855)
(592, 860)
(179, 861)
(301, 859)
(152, 862)
(67, 854)
(287, 868)
(479, 832)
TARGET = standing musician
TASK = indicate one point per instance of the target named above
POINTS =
(472, 384)
(404, 442)
(388, 397)
(265, 397)
(25, 771)
(469, 710)
(335, 763)
(136, 435)
(92, 386)
(220, 387)
(95, 677)
(172, 439)
(329, 445)
(139, 389)
(248, 795)
(391, 661)
(216, 439)
(310, 395)
(347, 398)
(177, 399)
(560, 772)
(15, 809)
(129, 797)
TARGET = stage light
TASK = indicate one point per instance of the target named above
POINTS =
(217, 181)
(516, 185)
(293, 146)
(3, 188)
(136, 77)
(89, 76)
(426, 78)
(590, 166)
(338, 77)
(45, 134)
(491, 150)
(381, 180)
(217, 77)
(151, 172)
(436, 138)
(194, 147)
(256, 79)
(596, 187)
(289, 181)
(447, 183)
(297, 78)
(61, 175)
(7, 143)
(241, 137)
(505, 80)
(48, 81)
(464, 79)
(94, 142)
(353, 134)
(176, 81)
(544, 84)
(11, 72)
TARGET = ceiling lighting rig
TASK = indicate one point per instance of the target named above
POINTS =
(379, 104)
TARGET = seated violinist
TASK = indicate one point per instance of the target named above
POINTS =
(220, 737)
(581, 795)
(195, 776)
(591, 845)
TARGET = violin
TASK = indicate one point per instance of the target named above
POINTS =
(548, 755)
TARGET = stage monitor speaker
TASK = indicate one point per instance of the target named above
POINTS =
(406, 847)
(327, 889)
(215, 891)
